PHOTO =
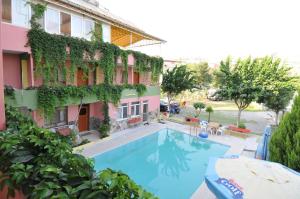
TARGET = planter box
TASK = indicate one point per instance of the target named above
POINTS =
(240, 130)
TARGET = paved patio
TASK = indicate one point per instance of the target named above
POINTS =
(237, 145)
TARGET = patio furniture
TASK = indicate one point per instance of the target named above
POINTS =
(64, 131)
(238, 177)
(203, 125)
(213, 127)
(134, 121)
(193, 124)
(221, 130)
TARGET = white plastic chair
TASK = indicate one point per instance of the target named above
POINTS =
(221, 130)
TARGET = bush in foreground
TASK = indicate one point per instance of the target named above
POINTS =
(285, 142)
(41, 164)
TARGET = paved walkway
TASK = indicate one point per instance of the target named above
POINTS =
(237, 145)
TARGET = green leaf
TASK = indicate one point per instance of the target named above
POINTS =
(22, 159)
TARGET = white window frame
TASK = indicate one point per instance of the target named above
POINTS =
(134, 105)
(60, 123)
(120, 111)
(106, 28)
(85, 31)
(45, 19)
(82, 25)
(13, 3)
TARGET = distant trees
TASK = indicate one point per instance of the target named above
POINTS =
(177, 80)
(202, 74)
(239, 82)
(264, 80)
(284, 145)
(278, 86)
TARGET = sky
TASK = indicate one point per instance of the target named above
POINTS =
(211, 30)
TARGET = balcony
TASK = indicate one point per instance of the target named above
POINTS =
(28, 98)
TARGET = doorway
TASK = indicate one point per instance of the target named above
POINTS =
(145, 111)
(136, 78)
(81, 79)
(83, 120)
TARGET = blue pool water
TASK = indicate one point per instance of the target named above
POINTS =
(168, 163)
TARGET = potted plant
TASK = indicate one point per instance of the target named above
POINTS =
(209, 110)
(198, 107)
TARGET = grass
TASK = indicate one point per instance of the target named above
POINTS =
(216, 116)
(190, 98)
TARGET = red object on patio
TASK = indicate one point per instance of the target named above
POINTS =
(192, 119)
(64, 131)
(241, 130)
(134, 120)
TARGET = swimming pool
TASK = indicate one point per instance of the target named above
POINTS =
(168, 163)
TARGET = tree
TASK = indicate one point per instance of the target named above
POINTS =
(177, 80)
(239, 82)
(198, 106)
(278, 86)
(203, 75)
(209, 110)
(284, 145)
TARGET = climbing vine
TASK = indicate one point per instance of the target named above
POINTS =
(51, 54)
(50, 97)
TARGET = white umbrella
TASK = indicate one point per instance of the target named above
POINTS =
(240, 177)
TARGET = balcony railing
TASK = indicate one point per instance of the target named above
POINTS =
(28, 98)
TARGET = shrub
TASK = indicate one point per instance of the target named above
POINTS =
(242, 125)
(41, 164)
(198, 106)
(209, 110)
(285, 141)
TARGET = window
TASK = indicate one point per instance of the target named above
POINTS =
(20, 13)
(106, 33)
(40, 20)
(123, 111)
(88, 29)
(16, 12)
(59, 118)
(135, 108)
(136, 78)
(52, 21)
(6, 11)
(76, 27)
(65, 24)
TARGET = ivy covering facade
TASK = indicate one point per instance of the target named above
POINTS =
(51, 52)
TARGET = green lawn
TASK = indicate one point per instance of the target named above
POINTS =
(216, 116)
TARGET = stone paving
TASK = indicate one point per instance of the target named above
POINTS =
(237, 145)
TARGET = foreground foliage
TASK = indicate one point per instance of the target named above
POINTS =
(285, 142)
(41, 164)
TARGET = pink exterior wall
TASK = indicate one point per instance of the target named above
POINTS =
(2, 109)
(96, 110)
(153, 105)
(14, 38)
(130, 75)
(130, 60)
(72, 113)
(145, 78)
(12, 70)
(38, 117)
(118, 75)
